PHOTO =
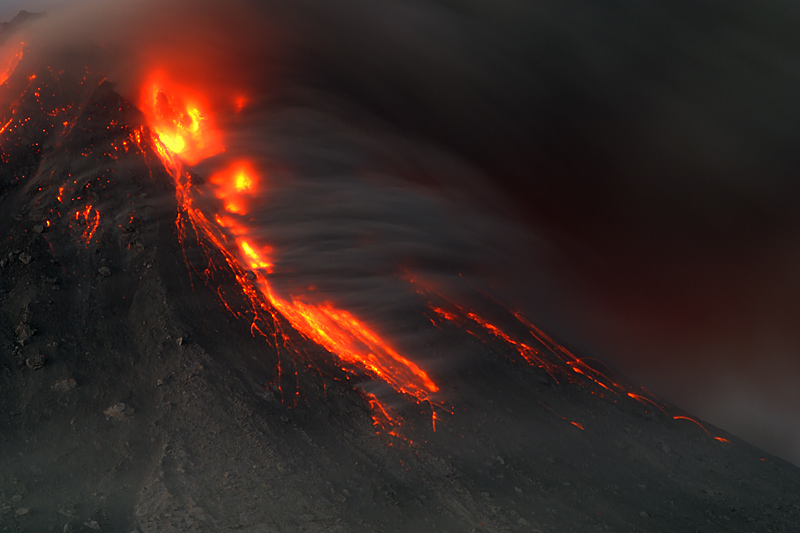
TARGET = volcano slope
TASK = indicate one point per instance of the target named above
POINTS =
(132, 399)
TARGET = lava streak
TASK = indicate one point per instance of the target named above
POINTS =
(90, 217)
(355, 343)
(184, 133)
(540, 350)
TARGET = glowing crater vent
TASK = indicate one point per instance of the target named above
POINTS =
(179, 119)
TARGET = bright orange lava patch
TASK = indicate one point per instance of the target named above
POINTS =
(180, 119)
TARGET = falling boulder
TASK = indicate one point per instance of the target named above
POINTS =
(25, 258)
(65, 385)
(24, 333)
(119, 411)
(104, 271)
(35, 362)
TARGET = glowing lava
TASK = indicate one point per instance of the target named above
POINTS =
(234, 186)
(91, 218)
(355, 343)
(175, 115)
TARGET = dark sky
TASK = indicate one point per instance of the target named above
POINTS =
(629, 169)
(9, 8)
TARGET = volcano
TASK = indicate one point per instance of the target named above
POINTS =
(159, 374)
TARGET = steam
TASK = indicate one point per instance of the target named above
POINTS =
(626, 175)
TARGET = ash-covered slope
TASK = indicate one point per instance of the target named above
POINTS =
(131, 399)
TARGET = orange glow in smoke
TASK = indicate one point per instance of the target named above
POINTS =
(239, 103)
(234, 186)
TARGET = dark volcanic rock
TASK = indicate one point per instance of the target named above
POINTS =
(65, 385)
(35, 362)
(24, 333)
(119, 411)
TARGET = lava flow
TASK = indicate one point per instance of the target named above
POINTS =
(544, 353)
(185, 134)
